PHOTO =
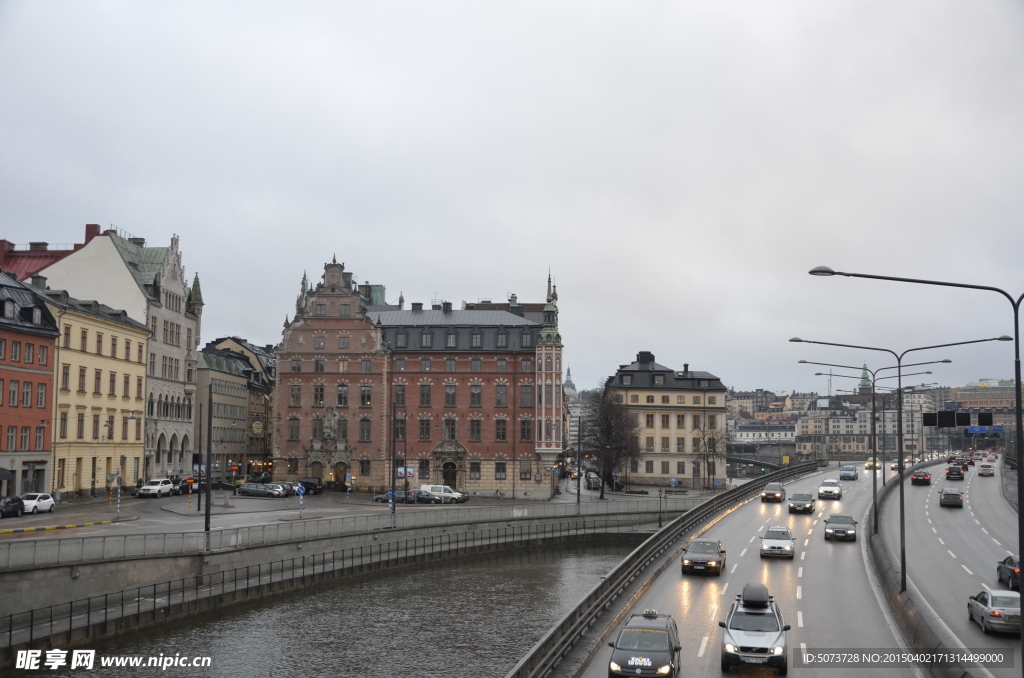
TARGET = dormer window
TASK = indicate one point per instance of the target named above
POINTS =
(425, 340)
(9, 309)
(502, 340)
(527, 339)
(37, 316)
(659, 380)
(452, 340)
(477, 340)
(627, 380)
(401, 340)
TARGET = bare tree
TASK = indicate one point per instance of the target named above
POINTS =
(711, 446)
(610, 436)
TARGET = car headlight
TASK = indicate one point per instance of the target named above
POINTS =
(778, 650)
(788, 548)
(851, 531)
(614, 667)
(764, 494)
(712, 563)
(686, 562)
(829, 530)
(729, 647)
(663, 670)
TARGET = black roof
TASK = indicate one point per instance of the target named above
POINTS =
(25, 299)
(643, 373)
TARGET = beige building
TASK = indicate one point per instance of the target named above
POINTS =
(680, 422)
(100, 382)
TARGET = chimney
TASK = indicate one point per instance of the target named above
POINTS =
(645, 357)
(39, 281)
(139, 242)
(435, 307)
(686, 369)
(417, 305)
(91, 231)
(446, 307)
(38, 246)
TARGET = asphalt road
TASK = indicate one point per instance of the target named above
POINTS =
(824, 592)
(952, 552)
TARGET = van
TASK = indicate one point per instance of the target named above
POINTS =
(447, 494)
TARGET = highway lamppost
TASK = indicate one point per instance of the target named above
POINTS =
(899, 421)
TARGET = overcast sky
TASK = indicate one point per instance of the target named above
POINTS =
(679, 166)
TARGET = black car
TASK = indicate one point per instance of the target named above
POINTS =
(400, 498)
(801, 502)
(841, 526)
(648, 643)
(773, 492)
(955, 472)
(704, 555)
(178, 486)
(262, 478)
(11, 506)
(312, 485)
(1008, 570)
(424, 497)
(921, 477)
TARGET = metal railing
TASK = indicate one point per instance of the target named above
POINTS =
(546, 654)
(41, 552)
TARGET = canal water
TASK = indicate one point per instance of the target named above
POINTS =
(471, 617)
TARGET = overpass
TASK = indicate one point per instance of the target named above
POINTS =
(760, 463)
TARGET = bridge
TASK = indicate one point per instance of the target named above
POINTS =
(760, 463)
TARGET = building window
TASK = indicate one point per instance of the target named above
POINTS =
(320, 309)
(113, 384)
(67, 338)
(680, 421)
(449, 365)
(712, 421)
(548, 430)
(295, 395)
(342, 366)
(364, 467)
(527, 339)
(527, 366)
(500, 366)
(650, 399)
(319, 342)
(696, 446)
(399, 366)
(501, 430)
(664, 421)
(318, 428)
(296, 366)
(83, 344)
(659, 380)
(401, 340)
(696, 400)
(366, 366)
(16, 351)
(12, 435)
(138, 388)
(634, 465)
(452, 340)
(648, 466)
(425, 340)
(318, 395)
(28, 353)
(424, 365)
(344, 309)
(501, 395)
(26, 394)
(696, 421)
(25, 433)
(548, 365)
(525, 469)
(634, 398)
(424, 429)
(474, 429)
(526, 430)
(365, 396)
(664, 445)
(399, 395)
(40, 395)
(696, 468)
(502, 340)
(712, 400)
(476, 340)
(450, 429)
(127, 386)
(342, 342)
(95, 427)
(634, 419)
(99, 343)
(525, 395)
(474, 470)
(364, 430)
(649, 446)
(318, 365)
(65, 378)
(475, 365)
(499, 470)
(449, 395)
(342, 395)
(424, 395)
(399, 429)
(680, 444)
(649, 420)
(424, 469)
(664, 468)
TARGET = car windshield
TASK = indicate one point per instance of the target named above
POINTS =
(153, 482)
(746, 621)
(778, 534)
(801, 497)
(849, 468)
(30, 497)
(840, 519)
(829, 483)
(647, 640)
(772, 487)
(703, 547)
(1006, 601)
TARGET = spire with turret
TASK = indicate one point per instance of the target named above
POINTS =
(865, 381)
(195, 295)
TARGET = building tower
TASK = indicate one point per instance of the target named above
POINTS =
(549, 385)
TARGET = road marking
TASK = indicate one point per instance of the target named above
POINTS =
(972, 513)
(820, 514)
(799, 592)
(803, 647)
(986, 586)
(733, 570)
(800, 572)
(724, 588)
(805, 541)
(1010, 552)
(950, 553)
(977, 521)
(714, 611)
(800, 619)
(996, 541)
(743, 553)
(935, 531)
(984, 530)
(940, 541)
(752, 538)
(802, 554)
(815, 522)
(703, 644)
(965, 567)
(810, 531)
(929, 521)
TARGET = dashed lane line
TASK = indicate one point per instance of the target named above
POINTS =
(800, 572)
(935, 531)
(803, 554)
(714, 611)
(996, 541)
(725, 588)
(743, 553)
(800, 619)
(950, 553)
(965, 567)
(703, 644)
(752, 538)
(799, 592)
(733, 570)
(805, 541)
(984, 530)
(940, 541)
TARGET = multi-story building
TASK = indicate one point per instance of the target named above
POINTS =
(458, 396)
(680, 419)
(28, 333)
(149, 283)
(263, 372)
(985, 393)
(227, 372)
(100, 395)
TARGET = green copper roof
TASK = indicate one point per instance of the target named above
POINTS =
(144, 263)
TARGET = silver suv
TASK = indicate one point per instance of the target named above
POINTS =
(755, 633)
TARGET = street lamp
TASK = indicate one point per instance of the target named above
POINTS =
(899, 421)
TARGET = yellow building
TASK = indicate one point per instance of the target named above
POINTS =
(100, 378)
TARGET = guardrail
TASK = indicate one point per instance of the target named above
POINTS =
(546, 654)
(33, 553)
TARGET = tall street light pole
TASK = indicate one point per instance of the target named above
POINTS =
(899, 422)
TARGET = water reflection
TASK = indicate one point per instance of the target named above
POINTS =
(471, 617)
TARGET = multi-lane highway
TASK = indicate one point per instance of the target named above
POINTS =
(824, 593)
(952, 552)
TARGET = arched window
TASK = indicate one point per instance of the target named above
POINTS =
(558, 364)
(547, 364)
(188, 408)
(177, 408)
(150, 405)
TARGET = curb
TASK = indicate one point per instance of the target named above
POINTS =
(67, 527)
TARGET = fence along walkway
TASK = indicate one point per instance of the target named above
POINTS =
(81, 549)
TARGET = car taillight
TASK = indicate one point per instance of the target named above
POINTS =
(1016, 570)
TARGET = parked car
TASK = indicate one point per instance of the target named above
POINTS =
(986, 469)
(400, 497)
(425, 497)
(447, 494)
(265, 477)
(312, 485)
(950, 497)
(841, 526)
(1008, 570)
(921, 477)
(704, 555)
(178, 486)
(259, 490)
(289, 487)
(278, 488)
(11, 506)
(995, 610)
(241, 480)
(773, 492)
(955, 472)
(801, 502)
(156, 487)
(778, 541)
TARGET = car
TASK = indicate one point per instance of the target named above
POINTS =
(425, 497)
(259, 490)
(830, 489)
(312, 485)
(777, 541)
(848, 473)
(841, 526)
(36, 502)
(755, 632)
(963, 463)
(266, 477)
(951, 497)
(242, 480)
(894, 465)
(921, 477)
(704, 555)
(955, 472)
(773, 492)
(647, 643)
(289, 487)
(871, 465)
(11, 506)
(1008, 570)
(463, 496)
(995, 610)
(400, 497)
(801, 502)
(447, 494)
(986, 469)
(156, 487)
(178, 486)
(970, 461)
(278, 488)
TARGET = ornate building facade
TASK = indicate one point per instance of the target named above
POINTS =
(470, 397)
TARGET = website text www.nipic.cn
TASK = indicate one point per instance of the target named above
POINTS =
(86, 659)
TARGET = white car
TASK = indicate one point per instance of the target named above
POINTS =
(34, 503)
(986, 470)
(157, 487)
(830, 489)
(777, 541)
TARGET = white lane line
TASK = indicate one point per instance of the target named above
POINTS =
(714, 611)
(805, 541)
(821, 514)
(950, 553)
(972, 513)
(977, 521)
(725, 588)
(996, 541)
(799, 592)
(986, 586)
(752, 538)
(803, 554)
(940, 541)
(929, 521)
(800, 572)
(965, 567)
(935, 531)
(814, 522)
(1010, 552)
(800, 619)
(926, 513)
(984, 530)
(743, 553)
(733, 570)
(803, 647)
(703, 644)
(810, 531)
